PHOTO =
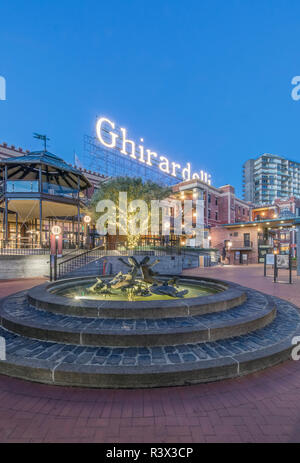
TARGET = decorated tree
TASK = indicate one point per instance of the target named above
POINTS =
(136, 189)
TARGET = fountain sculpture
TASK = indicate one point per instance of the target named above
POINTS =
(149, 282)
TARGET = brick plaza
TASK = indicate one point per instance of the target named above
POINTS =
(261, 407)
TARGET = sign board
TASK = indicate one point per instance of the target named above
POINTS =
(283, 261)
(245, 257)
(270, 259)
(111, 137)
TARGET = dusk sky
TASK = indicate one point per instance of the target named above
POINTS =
(202, 81)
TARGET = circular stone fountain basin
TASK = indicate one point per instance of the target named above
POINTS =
(71, 297)
(236, 331)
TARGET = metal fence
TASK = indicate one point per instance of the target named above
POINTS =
(24, 251)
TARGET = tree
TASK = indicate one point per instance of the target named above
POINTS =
(136, 189)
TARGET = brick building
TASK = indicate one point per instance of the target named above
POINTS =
(220, 206)
(271, 227)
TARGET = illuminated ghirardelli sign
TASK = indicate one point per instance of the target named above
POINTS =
(111, 137)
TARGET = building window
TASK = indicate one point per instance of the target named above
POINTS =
(247, 239)
(209, 197)
(216, 201)
(209, 213)
(216, 216)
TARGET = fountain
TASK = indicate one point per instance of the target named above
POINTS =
(133, 286)
(139, 328)
(138, 284)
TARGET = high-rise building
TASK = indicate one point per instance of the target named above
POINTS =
(270, 177)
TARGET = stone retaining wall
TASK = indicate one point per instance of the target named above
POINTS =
(23, 266)
(167, 265)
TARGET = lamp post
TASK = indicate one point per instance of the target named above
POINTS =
(297, 223)
(56, 233)
(209, 240)
(229, 244)
(87, 220)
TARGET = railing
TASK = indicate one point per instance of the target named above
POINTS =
(155, 250)
(265, 242)
(34, 251)
(70, 253)
(73, 263)
(241, 244)
(23, 251)
(77, 261)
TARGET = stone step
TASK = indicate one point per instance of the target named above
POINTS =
(18, 316)
(130, 367)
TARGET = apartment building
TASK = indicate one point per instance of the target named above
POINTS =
(270, 177)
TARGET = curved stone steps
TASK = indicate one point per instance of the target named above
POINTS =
(18, 316)
(62, 364)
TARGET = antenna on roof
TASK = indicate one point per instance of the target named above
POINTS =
(42, 137)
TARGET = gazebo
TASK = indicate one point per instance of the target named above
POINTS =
(39, 190)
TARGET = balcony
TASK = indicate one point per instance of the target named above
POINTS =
(31, 187)
(265, 242)
(241, 245)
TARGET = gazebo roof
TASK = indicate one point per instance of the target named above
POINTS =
(27, 168)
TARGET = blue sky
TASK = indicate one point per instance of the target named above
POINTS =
(202, 81)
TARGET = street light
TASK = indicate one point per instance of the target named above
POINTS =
(87, 220)
(56, 232)
(226, 249)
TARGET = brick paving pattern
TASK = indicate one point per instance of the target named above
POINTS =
(252, 276)
(261, 407)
